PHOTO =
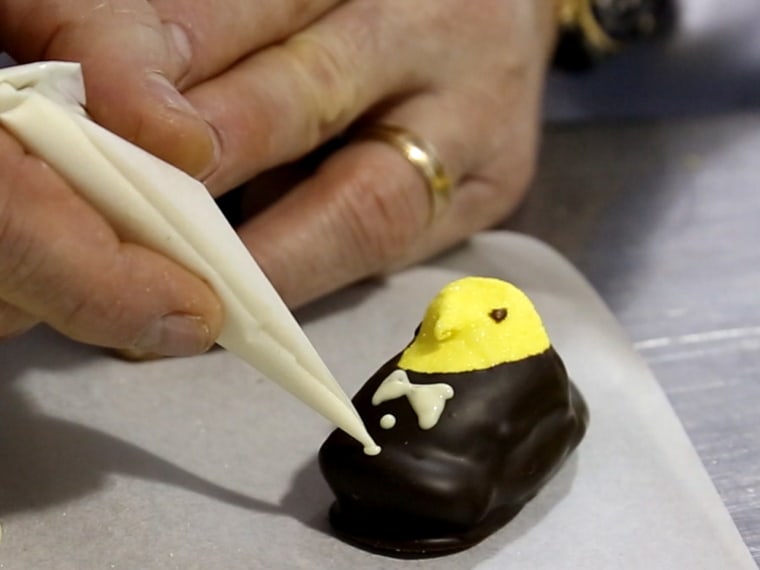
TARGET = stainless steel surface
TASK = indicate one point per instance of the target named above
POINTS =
(664, 220)
(710, 64)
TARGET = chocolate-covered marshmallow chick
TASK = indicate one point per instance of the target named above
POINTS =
(473, 417)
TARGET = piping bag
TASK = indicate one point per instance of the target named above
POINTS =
(152, 203)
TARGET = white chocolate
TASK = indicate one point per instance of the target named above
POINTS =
(387, 421)
(151, 203)
(427, 400)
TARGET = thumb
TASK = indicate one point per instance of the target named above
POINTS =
(131, 63)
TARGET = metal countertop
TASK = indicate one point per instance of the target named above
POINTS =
(663, 218)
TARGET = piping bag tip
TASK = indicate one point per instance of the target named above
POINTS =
(154, 204)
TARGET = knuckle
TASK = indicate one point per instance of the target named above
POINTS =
(383, 224)
(511, 164)
(327, 72)
(506, 194)
(523, 170)
(19, 256)
(83, 314)
(105, 314)
(507, 189)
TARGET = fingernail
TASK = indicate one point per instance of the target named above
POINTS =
(198, 159)
(175, 335)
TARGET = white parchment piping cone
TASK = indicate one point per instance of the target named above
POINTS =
(154, 204)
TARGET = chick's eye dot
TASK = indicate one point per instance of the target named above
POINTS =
(498, 315)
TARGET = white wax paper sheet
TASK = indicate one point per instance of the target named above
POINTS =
(201, 463)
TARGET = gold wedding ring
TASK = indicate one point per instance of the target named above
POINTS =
(422, 156)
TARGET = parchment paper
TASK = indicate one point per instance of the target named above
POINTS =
(199, 463)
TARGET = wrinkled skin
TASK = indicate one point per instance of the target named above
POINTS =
(260, 85)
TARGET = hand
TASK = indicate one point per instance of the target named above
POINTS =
(465, 76)
(271, 81)
(60, 262)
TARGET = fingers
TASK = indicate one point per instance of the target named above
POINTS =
(61, 263)
(367, 211)
(219, 32)
(130, 60)
(364, 213)
(284, 101)
(319, 236)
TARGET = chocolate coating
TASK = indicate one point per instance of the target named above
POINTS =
(502, 436)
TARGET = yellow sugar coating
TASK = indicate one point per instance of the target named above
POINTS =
(475, 323)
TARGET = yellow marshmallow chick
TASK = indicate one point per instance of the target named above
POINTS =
(475, 323)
